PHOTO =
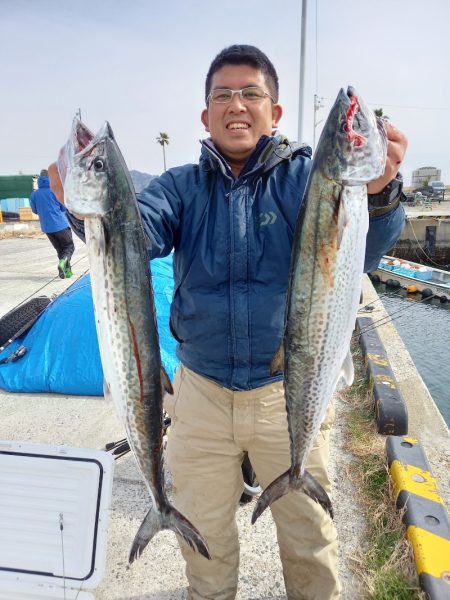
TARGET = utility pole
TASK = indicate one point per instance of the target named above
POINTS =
(301, 94)
(317, 104)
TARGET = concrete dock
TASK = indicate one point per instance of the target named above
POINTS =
(426, 236)
(28, 264)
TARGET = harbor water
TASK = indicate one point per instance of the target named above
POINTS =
(424, 326)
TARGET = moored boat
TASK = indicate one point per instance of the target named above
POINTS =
(413, 277)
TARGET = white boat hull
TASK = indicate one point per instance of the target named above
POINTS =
(435, 280)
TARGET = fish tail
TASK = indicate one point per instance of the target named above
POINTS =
(286, 483)
(312, 488)
(278, 488)
(155, 521)
(184, 528)
(151, 524)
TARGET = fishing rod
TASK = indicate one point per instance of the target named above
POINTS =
(48, 283)
(400, 310)
(42, 304)
(389, 318)
(369, 307)
(13, 357)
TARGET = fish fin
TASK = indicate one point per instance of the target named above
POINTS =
(165, 382)
(341, 222)
(107, 390)
(348, 370)
(286, 483)
(184, 528)
(277, 363)
(155, 521)
(312, 488)
(151, 524)
(278, 488)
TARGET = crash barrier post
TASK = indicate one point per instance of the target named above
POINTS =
(390, 407)
(425, 515)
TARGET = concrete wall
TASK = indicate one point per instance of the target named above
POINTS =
(426, 423)
(415, 229)
(412, 241)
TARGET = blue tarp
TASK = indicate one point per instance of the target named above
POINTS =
(62, 349)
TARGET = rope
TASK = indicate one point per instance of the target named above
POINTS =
(428, 258)
(48, 283)
(389, 318)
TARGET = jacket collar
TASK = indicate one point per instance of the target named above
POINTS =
(269, 151)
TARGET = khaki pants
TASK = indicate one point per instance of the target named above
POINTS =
(211, 428)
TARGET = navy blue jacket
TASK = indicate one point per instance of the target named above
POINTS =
(232, 241)
(43, 202)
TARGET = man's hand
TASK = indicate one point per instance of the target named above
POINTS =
(55, 182)
(396, 149)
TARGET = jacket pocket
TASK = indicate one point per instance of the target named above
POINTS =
(173, 332)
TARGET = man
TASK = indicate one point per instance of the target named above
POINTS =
(231, 266)
(54, 223)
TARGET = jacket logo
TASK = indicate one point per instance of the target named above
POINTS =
(266, 218)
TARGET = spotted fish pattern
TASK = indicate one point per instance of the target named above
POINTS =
(325, 282)
(98, 188)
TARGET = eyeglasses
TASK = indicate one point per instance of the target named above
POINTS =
(248, 95)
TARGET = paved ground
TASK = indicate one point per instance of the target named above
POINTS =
(436, 210)
(28, 265)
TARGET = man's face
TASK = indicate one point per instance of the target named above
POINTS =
(236, 127)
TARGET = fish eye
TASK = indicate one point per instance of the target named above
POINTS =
(98, 164)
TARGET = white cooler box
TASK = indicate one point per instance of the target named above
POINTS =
(54, 503)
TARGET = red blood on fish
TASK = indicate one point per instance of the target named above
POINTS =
(352, 136)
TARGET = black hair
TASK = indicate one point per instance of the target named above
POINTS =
(242, 54)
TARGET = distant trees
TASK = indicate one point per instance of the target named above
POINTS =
(379, 113)
(163, 139)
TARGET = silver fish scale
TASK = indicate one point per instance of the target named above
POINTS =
(98, 187)
(324, 283)
(113, 329)
(324, 302)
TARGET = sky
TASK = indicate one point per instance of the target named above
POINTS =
(141, 65)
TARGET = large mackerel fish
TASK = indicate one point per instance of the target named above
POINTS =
(98, 188)
(325, 283)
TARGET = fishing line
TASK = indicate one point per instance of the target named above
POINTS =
(61, 529)
(429, 259)
(403, 105)
(48, 283)
(389, 318)
(378, 299)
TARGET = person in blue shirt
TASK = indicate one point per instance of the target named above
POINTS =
(54, 223)
(230, 222)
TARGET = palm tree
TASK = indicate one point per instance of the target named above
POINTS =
(163, 139)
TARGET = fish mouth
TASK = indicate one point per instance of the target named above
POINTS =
(361, 111)
(351, 92)
(97, 141)
(85, 189)
(355, 107)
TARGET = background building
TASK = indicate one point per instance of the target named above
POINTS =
(423, 175)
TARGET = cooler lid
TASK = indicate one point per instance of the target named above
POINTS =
(18, 590)
(54, 503)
